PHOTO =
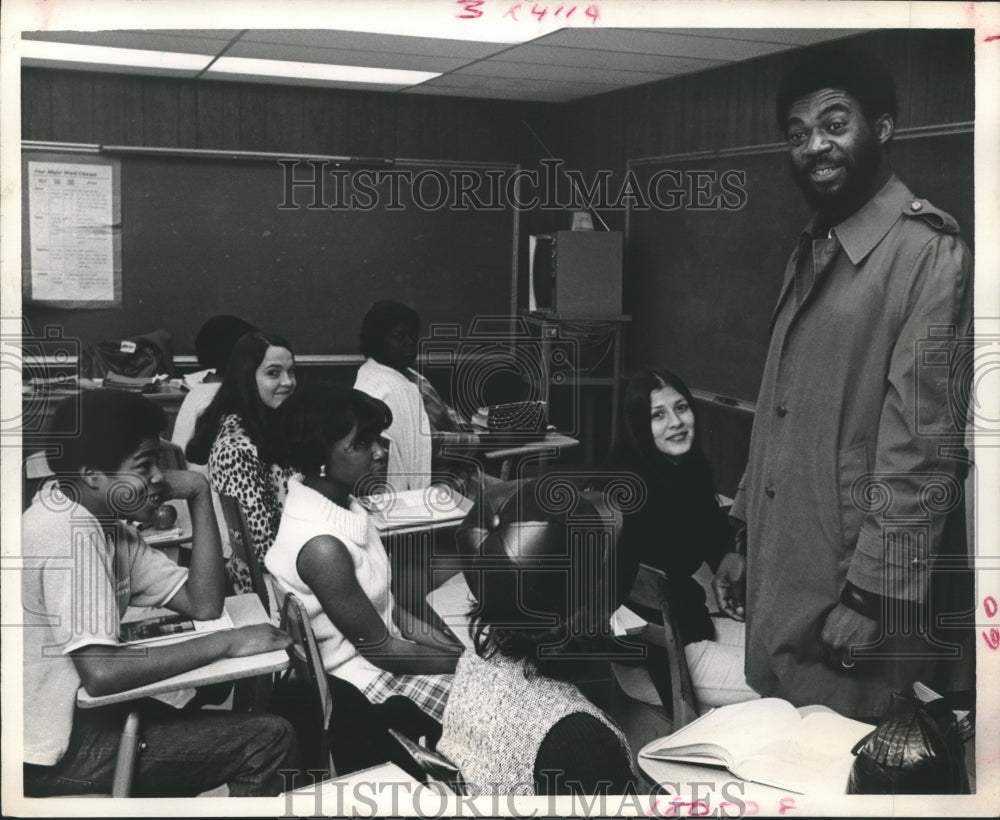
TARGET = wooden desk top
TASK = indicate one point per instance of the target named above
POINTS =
(245, 610)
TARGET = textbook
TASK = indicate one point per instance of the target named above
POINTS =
(769, 741)
(168, 626)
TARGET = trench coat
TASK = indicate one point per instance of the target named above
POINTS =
(856, 459)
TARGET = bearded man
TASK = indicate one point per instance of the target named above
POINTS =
(853, 488)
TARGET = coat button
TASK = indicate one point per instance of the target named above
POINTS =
(769, 492)
(917, 563)
(781, 410)
(916, 205)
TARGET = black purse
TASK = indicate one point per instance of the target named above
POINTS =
(137, 357)
(915, 749)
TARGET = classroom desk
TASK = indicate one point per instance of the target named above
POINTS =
(245, 610)
(417, 543)
(38, 405)
(551, 445)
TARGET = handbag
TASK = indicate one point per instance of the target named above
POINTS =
(136, 357)
(513, 417)
(915, 749)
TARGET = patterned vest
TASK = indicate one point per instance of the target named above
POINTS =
(496, 719)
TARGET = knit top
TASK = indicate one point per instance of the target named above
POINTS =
(306, 515)
(497, 718)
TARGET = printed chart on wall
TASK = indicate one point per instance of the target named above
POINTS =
(71, 230)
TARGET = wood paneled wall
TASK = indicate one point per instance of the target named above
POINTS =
(113, 109)
(733, 106)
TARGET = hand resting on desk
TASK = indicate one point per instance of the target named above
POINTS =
(256, 639)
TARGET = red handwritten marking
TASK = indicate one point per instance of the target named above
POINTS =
(992, 638)
(593, 13)
(472, 9)
(752, 807)
(991, 38)
(990, 605)
(787, 804)
(539, 12)
(512, 12)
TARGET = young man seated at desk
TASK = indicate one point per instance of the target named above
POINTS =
(83, 567)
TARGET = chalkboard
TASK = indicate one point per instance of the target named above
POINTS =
(202, 236)
(701, 284)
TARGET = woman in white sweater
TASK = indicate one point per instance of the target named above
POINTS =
(328, 552)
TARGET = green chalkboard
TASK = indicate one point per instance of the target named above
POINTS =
(701, 284)
(202, 236)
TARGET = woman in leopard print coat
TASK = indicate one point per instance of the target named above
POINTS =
(236, 436)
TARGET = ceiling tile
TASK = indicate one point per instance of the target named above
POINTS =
(658, 41)
(376, 43)
(339, 56)
(559, 73)
(200, 42)
(659, 64)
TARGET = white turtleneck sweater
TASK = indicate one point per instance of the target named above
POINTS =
(306, 515)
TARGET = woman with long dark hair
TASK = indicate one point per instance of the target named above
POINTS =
(236, 435)
(679, 526)
(515, 718)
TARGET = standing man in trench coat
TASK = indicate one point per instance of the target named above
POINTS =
(853, 488)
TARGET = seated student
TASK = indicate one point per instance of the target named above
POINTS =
(514, 717)
(84, 566)
(235, 436)
(328, 552)
(213, 346)
(678, 527)
(422, 423)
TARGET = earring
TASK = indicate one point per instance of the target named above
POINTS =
(322, 471)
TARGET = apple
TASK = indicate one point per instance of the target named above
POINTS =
(165, 517)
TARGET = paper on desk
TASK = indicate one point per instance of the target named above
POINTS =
(156, 536)
(452, 601)
(625, 622)
(416, 507)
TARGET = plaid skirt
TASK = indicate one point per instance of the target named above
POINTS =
(429, 692)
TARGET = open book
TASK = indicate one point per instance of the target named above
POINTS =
(167, 626)
(416, 508)
(771, 742)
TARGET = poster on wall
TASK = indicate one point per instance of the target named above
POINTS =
(72, 231)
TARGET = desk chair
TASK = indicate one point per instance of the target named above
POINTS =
(250, 695)
(242, 544)
(435, 766)
(643, 722)
(307, 666)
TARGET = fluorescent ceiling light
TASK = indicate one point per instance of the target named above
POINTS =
(319, 71)
(104, 55)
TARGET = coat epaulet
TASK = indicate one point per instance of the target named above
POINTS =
(936, 218)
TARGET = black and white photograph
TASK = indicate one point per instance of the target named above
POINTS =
(483, 408)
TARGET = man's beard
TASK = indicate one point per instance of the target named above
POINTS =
(861, 166)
